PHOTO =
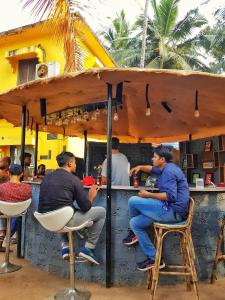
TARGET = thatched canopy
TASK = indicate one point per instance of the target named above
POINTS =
(176, 87)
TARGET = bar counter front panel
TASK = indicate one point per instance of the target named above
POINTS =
(42, 248)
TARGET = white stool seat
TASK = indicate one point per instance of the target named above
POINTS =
(13, 209)
(56, 220)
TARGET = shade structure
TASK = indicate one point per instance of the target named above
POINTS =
(177, 88)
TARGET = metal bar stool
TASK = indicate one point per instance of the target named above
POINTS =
(187, 269)
(10, 210)
(219, 255)
(56, 221)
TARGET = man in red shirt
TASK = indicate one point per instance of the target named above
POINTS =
(13, 191)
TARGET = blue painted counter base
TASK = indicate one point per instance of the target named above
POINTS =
(42, 248)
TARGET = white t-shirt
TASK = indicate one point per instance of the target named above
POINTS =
(120, 169)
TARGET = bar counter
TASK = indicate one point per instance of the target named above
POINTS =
(42, 248)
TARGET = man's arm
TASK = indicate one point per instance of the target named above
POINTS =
(146, 169)
(104, 171)
(157, 196)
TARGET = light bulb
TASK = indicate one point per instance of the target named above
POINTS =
(197, 114)
(148, 111)
(65, 121)
(115, 116)
(79, 118)
(44, 128)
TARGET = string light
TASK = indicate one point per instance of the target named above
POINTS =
(115, 115)
(196, 113)
(148, 108)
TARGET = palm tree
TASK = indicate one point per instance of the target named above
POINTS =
(121, 41)
(143, 46)
(213, 40)
(60, 15)
(171, 44)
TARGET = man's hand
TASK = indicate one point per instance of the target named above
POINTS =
(93, 192)
(144, 194)
(135, 170)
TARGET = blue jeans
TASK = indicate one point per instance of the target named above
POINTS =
(143, 212)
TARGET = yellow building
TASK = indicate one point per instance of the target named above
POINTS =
(21, 49)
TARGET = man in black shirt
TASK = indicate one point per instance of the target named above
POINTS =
(61, 188)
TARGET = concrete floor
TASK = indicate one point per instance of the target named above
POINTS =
(31, 283)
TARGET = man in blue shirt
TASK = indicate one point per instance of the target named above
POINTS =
(169, 205)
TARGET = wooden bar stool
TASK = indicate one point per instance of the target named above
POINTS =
(187, 269)
(219, 255)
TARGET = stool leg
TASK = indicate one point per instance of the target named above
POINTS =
(149, 276)
(184, 259)
(155, 270)
(6, 266)
(72, 293)
(218, 252)
(192, 265)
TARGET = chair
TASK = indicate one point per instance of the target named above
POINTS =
(10, 210)
(187, 269)
(56, 221)
(219, 255)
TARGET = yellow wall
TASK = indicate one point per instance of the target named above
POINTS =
(33, 36)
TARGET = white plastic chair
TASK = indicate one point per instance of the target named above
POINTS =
(56, 221)
(8, 211)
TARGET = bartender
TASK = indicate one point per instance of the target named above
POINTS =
(120, 166)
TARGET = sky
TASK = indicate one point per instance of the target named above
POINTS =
(100, 12)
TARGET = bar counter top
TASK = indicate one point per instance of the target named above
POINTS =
(131, 188)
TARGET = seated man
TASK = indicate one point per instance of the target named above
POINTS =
(61, 188)
(169, 205)
(4, 169)
(13, 191)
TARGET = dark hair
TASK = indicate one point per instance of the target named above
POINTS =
(164, 151)
(115, 143)
(63, 158)
(15, 169)
(41, 165)
(26, 154)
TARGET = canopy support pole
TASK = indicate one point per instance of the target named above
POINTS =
(85, 153)
(36, 149)
(109, 183)
(23, 139)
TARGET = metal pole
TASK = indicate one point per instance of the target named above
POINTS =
(23, 137)
(36, 149)
(109, 169)
(85, 152)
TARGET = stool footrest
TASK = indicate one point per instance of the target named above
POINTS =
(176, 267)
(175, 273)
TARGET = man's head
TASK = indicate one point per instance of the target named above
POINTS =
(27, 159)
(162, 155)
(115, 143)
(15, 170)
(5, 162)
(41, 169)
(66, 160)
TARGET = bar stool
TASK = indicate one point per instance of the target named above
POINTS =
(187, 269)
(219, 255)
(10, 210)
(56, 221)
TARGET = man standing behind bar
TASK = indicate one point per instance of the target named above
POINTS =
(120, 166)
(169, 205)
(61, 188)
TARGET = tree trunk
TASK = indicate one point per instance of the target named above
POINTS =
(145, 25)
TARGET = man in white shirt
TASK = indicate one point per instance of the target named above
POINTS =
(120, 166)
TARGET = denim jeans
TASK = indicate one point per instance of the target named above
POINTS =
(143, 212)
(96, 214)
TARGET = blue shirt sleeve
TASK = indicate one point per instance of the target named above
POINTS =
(156, 171)
(169, 186)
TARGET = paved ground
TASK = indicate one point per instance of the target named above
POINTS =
(31, 283)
